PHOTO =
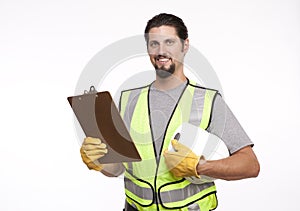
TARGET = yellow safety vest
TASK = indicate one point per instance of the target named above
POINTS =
(149, 185)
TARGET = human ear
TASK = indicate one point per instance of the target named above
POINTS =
(186, 45)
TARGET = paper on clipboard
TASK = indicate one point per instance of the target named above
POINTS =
(99, 117)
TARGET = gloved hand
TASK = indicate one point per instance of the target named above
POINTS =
(91, 150)
(183, 161)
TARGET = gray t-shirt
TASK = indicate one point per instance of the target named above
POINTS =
(223, 123)
(162, 103)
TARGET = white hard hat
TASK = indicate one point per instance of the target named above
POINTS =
(201, 143)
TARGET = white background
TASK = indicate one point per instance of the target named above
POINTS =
(253, 46)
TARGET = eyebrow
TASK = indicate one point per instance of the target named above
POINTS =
(167, 39)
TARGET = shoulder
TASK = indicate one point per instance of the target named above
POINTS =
(136, 89)
(198, 86)
(130, 94)
(213, 94)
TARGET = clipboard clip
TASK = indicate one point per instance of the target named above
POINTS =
(91, 91)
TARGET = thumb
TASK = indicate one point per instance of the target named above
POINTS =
(175, 144)
(181, 147)
(165, 152)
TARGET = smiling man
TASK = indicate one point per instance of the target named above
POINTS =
(152, 114)
(166, 51)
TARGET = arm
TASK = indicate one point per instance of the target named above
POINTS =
(240, 165)
(91, 151)
(113, 169)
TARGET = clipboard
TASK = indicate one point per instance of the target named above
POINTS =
(99, 117)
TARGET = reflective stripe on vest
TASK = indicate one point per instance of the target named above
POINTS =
(149, 182)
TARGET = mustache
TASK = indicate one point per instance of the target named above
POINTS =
(162, 57)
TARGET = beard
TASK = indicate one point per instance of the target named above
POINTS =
(164, 72)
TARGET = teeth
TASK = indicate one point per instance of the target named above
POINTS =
(163, 60)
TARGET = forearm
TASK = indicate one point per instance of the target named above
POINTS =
(113, 169)
(242, 164)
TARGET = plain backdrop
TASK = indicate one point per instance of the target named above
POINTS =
(253, 46)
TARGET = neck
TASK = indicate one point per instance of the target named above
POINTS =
(169, 82)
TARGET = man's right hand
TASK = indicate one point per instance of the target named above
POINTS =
(91, 150)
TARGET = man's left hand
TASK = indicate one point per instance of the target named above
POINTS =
(183, 161)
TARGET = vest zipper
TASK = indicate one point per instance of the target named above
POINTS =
(155, 153)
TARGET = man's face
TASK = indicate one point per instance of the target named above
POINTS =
(166, 50)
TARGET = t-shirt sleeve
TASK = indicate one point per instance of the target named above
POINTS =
(224, 125)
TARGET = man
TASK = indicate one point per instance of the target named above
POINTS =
(152, 114)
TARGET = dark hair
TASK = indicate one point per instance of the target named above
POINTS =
(167, 20)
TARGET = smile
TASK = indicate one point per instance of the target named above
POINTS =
(162, 59)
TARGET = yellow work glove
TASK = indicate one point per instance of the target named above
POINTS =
(91, 150)
(183, 161)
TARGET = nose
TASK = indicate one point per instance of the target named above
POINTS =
(161, 49)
